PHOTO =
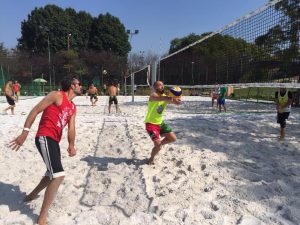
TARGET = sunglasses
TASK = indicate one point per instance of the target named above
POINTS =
(79, 84)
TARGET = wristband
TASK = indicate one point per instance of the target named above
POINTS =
(26, 129)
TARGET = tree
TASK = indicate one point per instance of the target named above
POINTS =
(58, 26)
(94, 43)
(43, 24)
(108, 34)
(179, 43)
(208, 62)
(3, 51)
(280, 44)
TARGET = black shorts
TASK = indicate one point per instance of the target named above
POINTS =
(50, 152)
(9, 100)
(281, 118)
(93, 96)
(113, 99)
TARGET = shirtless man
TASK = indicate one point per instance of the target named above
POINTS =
(113, 92)
(93, 92)
(10, 98)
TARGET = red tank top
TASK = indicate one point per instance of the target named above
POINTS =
(55, 118)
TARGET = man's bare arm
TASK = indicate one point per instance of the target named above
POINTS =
(71, 136)
(53, 97)
(41, 106)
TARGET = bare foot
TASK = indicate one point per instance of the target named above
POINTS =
(30, 198)
(281, 138)
(41, 221)
(150, 162)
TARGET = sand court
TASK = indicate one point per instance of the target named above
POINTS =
(225, 168)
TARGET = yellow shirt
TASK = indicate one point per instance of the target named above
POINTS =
(156, 111)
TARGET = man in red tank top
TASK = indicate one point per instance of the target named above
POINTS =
(58, 111)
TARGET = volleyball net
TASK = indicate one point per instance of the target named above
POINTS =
(141, 80)
(261, 47)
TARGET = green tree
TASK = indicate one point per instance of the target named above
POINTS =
(94, 43)
(213, 55)
(280, 44)
(3, 51)
(179, 43)
(58, 27)
(108, 34)
(43, 23)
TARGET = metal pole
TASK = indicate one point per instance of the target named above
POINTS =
(69, 35)
(132, 83)
(153, 73)
(216, 72)
(53, 72)
(2, 75)
(132, 86)
(193, 73)
(125, 87)
(207, 75)
(159, 69)
(31, 78)
(132, 77)
(227, 72)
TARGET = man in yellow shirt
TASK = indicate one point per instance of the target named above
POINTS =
(283, 99)
(154, 124)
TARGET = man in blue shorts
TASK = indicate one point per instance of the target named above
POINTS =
(221, 98)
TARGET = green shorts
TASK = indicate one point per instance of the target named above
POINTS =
(165, 128)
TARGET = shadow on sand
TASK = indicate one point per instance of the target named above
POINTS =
(102, 163)
(11, 196)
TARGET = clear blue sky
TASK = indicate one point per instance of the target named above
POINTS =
(159, 21)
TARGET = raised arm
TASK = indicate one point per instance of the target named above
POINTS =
(52, 98)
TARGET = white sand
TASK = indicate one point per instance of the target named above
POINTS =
(224, 169)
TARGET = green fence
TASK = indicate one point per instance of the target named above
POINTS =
(4, 75)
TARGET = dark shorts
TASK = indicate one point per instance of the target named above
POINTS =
(50, 152)
(221, 101)
(281, 118)
(155, 130)
(113, 99)
(9, 100)
(93, 96)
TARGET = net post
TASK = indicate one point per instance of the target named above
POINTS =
(297, 99)
(153, 73)
(132, 87)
